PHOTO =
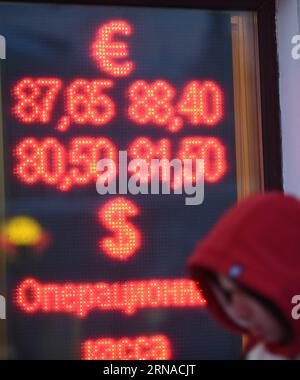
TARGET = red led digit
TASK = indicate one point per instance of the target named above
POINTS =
(151, 103)
(162, 93)
(202, 103)
(126, 240)
(87, 104)
(190, 104)
(35, 98)
(53, 161)
(212, 102)
(27, 154)
(80, 158)
(52, 86)
(211, 150)
(144, 148)
(139, 111)
(213, 153)
(26, 92)
(110, 55)
(104, 149)
(78, 101)
(141, 148)
(141, 348)
(102, 102)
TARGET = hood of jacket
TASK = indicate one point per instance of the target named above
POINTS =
(257, 244)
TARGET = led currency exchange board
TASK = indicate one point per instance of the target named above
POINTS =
(93, 276)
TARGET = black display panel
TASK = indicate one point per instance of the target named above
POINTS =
(95, 276)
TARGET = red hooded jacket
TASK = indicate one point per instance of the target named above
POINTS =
(256, 242)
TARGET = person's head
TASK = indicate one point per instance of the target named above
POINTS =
(248, 268)
(260, 317)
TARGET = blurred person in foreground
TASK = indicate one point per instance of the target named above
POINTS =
(248, 268)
